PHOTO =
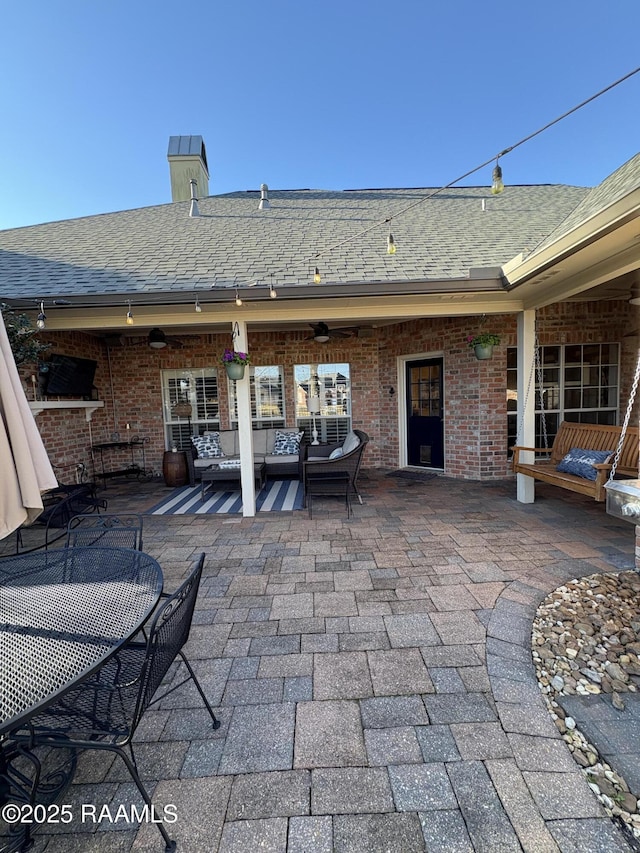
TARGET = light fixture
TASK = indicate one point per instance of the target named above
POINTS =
(40, 322)
(129, 315)
(238, 300)
(157, 339)
(272, 291)
(264, 198)
(321, 339)
(198, 307)
(497, 185)
(635, 300)
(313, 407)
(391, 246)
(316, 276)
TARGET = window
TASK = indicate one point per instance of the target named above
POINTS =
(332, 384)
(190, 404)
(267, 398)
(580, 383)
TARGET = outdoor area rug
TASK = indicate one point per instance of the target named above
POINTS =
(276, 496)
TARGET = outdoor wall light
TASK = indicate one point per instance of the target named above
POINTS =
(392, 390)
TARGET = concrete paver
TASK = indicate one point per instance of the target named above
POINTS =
(373, 678)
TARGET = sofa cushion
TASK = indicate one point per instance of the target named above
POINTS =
(580, 462)
(263, 441)
(287, 443)
(208, 446)
(229, 442)
(350, 443)
(274, 459)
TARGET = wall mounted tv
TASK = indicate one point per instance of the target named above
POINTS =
(69, 377)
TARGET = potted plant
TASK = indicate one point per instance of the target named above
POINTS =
(235, 362)
(483, 343)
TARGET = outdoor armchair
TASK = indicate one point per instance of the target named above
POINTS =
(318, 462)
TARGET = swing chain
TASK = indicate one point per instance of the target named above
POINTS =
(625, 424)
(543, 416)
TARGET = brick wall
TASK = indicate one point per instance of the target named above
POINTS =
(128, 380)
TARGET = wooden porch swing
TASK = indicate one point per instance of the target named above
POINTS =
(621, 442)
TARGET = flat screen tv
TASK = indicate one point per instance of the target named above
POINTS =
(70, 377)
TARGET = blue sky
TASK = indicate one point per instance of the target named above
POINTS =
(331, 95)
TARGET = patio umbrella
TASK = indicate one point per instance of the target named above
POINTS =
(26, 470)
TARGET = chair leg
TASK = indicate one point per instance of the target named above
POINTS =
(216, 721)
(170, 845)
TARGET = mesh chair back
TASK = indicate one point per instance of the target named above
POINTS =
(121, 531)
(168, 633)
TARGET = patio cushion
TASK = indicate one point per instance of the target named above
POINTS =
(350, 443)
(580, 462)
(287, 443)
(208, 446)
(337, 453)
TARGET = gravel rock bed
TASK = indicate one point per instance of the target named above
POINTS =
(586, 640)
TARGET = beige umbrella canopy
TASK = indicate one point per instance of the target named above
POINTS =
(25, 470)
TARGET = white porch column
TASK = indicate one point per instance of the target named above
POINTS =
(245, 435)
(526, 415)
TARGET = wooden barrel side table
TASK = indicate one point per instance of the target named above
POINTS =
(174, 468)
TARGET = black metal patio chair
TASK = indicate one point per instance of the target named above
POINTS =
(106, 530)
(104, 712)
(60, 505)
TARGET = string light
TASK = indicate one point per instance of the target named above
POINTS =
(497, 185)
(391, 245)
(40, 322)
(129, 315)
(238, 300)
(198, 307)
(272, 290)
(483, 165)
(316, 276)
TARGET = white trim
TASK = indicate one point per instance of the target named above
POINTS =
(401, 397)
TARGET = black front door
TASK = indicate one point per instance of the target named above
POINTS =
(425, 443)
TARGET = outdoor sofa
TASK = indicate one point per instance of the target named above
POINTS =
(278, 447)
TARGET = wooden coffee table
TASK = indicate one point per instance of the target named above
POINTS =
(220, 473)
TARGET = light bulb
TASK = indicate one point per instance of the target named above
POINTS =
(272, 292)
(40, 322)
(391, 246)
(198, 307)
(316, 276)
(129, 316)
(238, 300)
(497, 186)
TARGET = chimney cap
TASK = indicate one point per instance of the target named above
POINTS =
(188, 146)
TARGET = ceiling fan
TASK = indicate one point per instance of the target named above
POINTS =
(158, 340)
(322, 333)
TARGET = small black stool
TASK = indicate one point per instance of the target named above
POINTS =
(336, 484)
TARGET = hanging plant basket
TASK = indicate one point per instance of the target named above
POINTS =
(483, 352)
(234, 370)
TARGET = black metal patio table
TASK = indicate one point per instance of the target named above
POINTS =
(63, 613)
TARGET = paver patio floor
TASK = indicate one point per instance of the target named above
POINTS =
(373, 677)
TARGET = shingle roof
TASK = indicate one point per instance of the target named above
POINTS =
(621, 182)
(159, 249)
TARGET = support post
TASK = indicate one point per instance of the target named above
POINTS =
(245, 434)
(526, 416)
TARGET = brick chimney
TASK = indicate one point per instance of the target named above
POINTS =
(187, 158)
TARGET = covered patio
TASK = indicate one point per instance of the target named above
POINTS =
(373, 677)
